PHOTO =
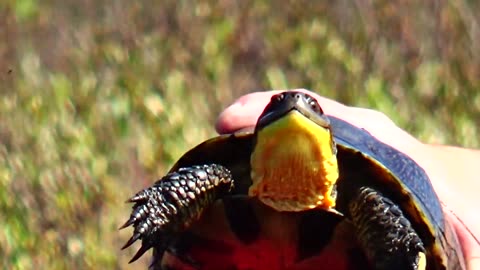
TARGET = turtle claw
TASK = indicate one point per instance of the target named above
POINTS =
(154, 262)
(141, 196)
(168, 208)
(144, 248)
(132, 240)
(129, 222)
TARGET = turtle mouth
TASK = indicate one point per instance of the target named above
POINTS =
(283, 103)
(294, 166)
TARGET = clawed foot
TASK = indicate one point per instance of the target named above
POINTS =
(170, 206)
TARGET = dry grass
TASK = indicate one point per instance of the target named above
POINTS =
(98, 98)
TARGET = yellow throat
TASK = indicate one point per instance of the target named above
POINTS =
(294, 166)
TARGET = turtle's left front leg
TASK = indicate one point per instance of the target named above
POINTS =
(385, 234)
(173, 203)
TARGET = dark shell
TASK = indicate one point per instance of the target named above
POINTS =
(362, 156)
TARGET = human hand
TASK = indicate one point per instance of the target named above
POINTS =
(451, 169)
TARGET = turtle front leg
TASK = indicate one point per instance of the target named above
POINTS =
(173, 203)
(384, 233)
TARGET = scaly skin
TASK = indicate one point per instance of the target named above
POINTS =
(384, 233)
(173, 203)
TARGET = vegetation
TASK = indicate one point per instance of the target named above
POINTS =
(98, 98)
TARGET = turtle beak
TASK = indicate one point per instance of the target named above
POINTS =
(283, 103)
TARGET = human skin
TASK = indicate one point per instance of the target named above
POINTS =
(452, 170)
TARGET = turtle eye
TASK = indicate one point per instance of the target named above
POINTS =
(313, 103)
(315, 107)
(277, 98)
(275, 101)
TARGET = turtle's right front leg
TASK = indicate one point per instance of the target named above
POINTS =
(169, 207)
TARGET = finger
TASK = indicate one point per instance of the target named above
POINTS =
(245, 111)
(454, 181)
(470, 245)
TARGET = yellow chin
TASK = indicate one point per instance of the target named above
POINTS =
(294, 167)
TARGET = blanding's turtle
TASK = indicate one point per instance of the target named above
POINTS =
(300, 191)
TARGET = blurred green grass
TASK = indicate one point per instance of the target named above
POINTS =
(98, 98)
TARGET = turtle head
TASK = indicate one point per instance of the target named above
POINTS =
(294, 164)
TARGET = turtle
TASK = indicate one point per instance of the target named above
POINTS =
(300, 190)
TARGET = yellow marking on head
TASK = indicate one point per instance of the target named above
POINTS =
(294, 167)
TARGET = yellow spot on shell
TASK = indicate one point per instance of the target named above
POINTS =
(422, 261)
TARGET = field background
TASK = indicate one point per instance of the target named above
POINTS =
(98, 98)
